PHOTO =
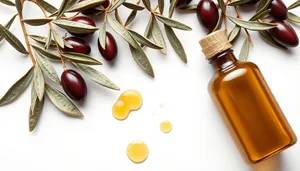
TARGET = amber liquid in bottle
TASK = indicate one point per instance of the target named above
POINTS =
(249, 108)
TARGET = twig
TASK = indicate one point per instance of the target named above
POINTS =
(225, 17)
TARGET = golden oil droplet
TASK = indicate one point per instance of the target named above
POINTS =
(137, 151)
(162, 105)
(128, 101)
(166, 126)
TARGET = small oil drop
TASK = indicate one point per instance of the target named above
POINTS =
(130, 100)
(161, 105)
(137, 151)
(166, 126)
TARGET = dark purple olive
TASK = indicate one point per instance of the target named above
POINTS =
(79, 45)
(207, 13)
(182, 3)
(278, 10)
(111, 49)
(93, 11)
(83, 20)
(284, 34)
(74, 85)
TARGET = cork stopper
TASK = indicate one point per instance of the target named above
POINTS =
(214, 43)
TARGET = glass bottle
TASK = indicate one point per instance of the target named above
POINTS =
(246, 102)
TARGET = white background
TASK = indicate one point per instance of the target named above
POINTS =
(199, 140)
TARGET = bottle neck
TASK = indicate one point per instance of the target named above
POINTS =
(223, 60)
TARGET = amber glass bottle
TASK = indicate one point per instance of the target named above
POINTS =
(246, 102)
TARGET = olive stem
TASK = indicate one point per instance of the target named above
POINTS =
(26, 37)
(225, 17)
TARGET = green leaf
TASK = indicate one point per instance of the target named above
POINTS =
(147, 4)
(118, 28)
(48, 40)
(239, 2)
(41, 39)
(176, 44)
(116, 5)
(63, 8)
(48, 69)
(17, 89)
(35, 111)
(62, 102)
(260, 15)
(172, 23)
(7, 2)
(96, 76)
(130, 17)
(294, 5)
(142, 60)
(67, 44)
(293, 17)
(102, 36)
(270, 40)
(46, 53)
(12, 39)
(133, 6)
(263, 5)
(39, 82)
(219, 23)
(117, 16)
(19, 6)
(161, 5)
(172, 7)
(48, 7)
(245, 50)
(252, 25)
(59, 40)
(190, 8)
(37, 21)
(84, 5)
(149, 27)
(222, 6)
(75, 27)
(234, 33)
(158, 36)
(143, 40)
(81, 58)
(8, 24)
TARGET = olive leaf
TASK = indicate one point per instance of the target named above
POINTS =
(17, 89)
(81, 58)
(41, 39)
(149, 27)
(222, 6)
(37, 21)
(48, 69)
(118, 28)
(75, 27)
(234, 33)
(219, 23)
(84, 5)
(147, 4)
(252, 25)
(62, 102)
(71, 3)
(96, 76)
(172, 23)
(48, 40)
(12, 39)
(130, 17)
(294, 5)
(35, 111)
(260, 15)
(239, 2)
(161, 5)
(142, 60)
(63, 8)
(143, 40)
(19, 6)
(117, 16)
(267, 37)
(8, 24)
(158, 36)
(102, 36)
(172, 7)
(7, 2)
(176, 44)
(116, 5)
(263, 5)
(244, 50)
(132, 6)
(39, 82)
(48, 7)
(46, 53)
(59, 40)
(190, 8)
(293, 17)
(67, 44)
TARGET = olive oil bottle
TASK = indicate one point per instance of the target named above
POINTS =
(246, 102)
